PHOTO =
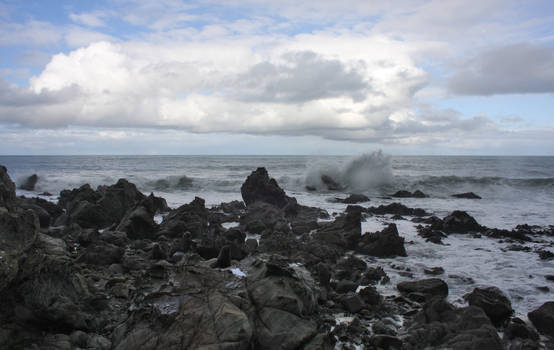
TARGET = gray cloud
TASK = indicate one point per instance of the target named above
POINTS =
(304, 76)
(512, 69)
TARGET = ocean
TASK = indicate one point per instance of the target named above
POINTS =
(514, 190)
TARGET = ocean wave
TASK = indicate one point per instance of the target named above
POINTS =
(484, 181)
(364, 172)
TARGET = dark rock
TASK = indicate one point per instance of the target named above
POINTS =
(352, 302)
(7, 189)
(518, 329)
(262, 216)
(346, 286)
(408, 194)
(386, 243)
(349, 268)
(117, 199)
(89, 215)
(543, 289)
(251, 244)
(545, 254)
(224, 257)
(352, 199)
(330, 183)
(29, 183)
(157, 252)
(495, 304)
(323, 274)
(396, 209)
(259, 187)
(100, 253)
(138, 223)
(386, 342)
(543, 318)
(469, 195)
(191, 217)
(430, 287)
(434, 271)
(460, 222)
(70, 198)
(549, 277)
(370, 295)
(344, 231)
(43, 216)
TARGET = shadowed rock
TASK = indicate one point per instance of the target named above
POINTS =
(259, 187)
(495, 304)
(385, 244)
(29, 183)
(543, 318)
(468, 195)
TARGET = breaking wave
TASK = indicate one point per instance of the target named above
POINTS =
(364, 172)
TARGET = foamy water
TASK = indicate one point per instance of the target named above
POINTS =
(515, 190)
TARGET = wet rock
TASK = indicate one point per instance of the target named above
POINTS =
(468, 195)
(430, 287)
(431, 234)
(388, 342)
(224, 257)
(262, 216)
(89, 215)
(396, 209)
(545, 254)
(495, 304)
(191, 217)
(251, 244)
(259, 187)
(352, 199)
(101, 253)
(517, 328)
(460, 222)
(157, 252)
(279, 329)
(549, 277)
(352, 302)
(373, 275)
(386, 243)
(330, 183)
(344, 231)
(408, 194)
(117, 199)
(43, 216)
(78, 338)
(29, 183)
(346, 286)
(543, 318)
(99, 342)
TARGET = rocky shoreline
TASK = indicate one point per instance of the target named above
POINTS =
(97, 271)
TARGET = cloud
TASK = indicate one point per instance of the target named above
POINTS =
(30, 33)
(511, 69)
(89, 19)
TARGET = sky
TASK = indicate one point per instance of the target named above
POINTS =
(429, 77)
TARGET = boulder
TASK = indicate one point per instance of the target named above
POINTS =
(543, 318)
(352, 199)
(408, 194)
(430, 287)
(352, 302)
(370, 295)
(29, 183)
(330, 183)
(468, 195)
(396, 209)
(460, 222)
(385, 244)
(138, 223)
(344, 231)
(495, 304)
(259, 187)
(191, 217)
(117, 199)
(7, 189)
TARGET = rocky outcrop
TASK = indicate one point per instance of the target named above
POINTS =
(396, 209)
(468, 195)
(259, 187)
(384, 244)
(344, 231)
(495, 304)
(408, 194)
(460, 222)
(7, 189)
(352, 199)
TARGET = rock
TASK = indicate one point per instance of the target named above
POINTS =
(545, 254)
(543, 318)
(251, 244)
(344, 231)
(387, 342)
(278, 329)
(99, 342)
(259, 187)
(29, 183)
(495, 304)
(373, 275)
(518, 329)
(386, 243)
(408, 194)
(469, 195)
(352, 302)
(346, 286)
(117, 199)
(460, 222)
(7, 189)
(549, 277)
(191, 217)
(89, 215)
(70, 198)
(370, 295)
(138, 224)
(157, 252)
(262, 216)
(352, 199)
(330, 183)
(430, 287)
(78, 338)
(396, 209)
(18, 231)
(101, 253)
(224, 257)
(43, 216)
(434, 271)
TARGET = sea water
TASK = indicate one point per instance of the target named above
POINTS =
(514, 190)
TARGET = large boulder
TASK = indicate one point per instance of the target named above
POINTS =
(117, 199)
(495, 304)
(138, 223)
(7, 189)
(260, 187)
(385, 244)
(191, 217)
(344, 231)
(543, 318)
(460, 222)
(429, 288)
(396, 209)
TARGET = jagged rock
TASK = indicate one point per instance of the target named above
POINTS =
(468, 195)
(517, 328)
(344, 231)
(373, 275)
(495, 304)
(138, 223)
(89, 215)
(460, 222)
(191, 217)
(7, 189)
(396, 209)
(43, 216)
(430, 287)
(434, 271)
(352, 302)
(259, 187)
(386, 243)
(101, 253)
(383, 341)
(29, 183)
(70, 198)
(330, 183)
(262, 216)
(370, 295)
(117, 199)
(543, 318)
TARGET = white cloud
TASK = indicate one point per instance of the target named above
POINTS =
(89, 19)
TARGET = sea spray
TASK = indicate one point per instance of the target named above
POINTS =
(358, 174)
